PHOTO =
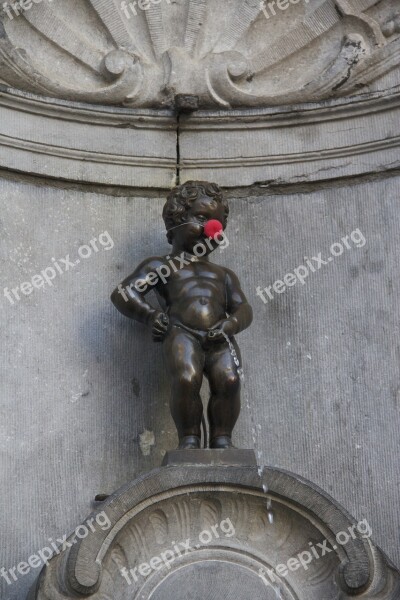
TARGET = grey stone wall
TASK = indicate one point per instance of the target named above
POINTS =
(81, 383)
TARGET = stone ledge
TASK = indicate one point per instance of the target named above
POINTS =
(231, 457)
(138, 147)
(89, 144)
(297, 144)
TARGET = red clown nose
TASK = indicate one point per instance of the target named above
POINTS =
(212, 228)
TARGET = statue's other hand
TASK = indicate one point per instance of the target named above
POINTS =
(159, 326)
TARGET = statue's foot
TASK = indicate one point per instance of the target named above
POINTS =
(189, 442)
(221, 442)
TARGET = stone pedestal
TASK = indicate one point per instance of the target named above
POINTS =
(206, 527)
(231, 457)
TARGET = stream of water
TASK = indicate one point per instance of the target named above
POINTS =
(255, 429)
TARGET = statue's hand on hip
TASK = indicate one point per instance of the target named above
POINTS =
(159, 326)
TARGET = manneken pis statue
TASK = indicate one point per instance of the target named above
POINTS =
(202, 308)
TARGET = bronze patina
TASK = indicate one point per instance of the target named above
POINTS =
(202, 308)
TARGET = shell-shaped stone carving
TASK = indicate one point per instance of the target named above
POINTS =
(233, 53)
(211, 550)
(210, 513)
(159, 523)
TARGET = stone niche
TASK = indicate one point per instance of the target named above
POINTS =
(307, 92)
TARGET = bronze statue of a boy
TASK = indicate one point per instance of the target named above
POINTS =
(203, 307)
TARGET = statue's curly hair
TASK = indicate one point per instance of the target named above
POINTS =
(183, 196)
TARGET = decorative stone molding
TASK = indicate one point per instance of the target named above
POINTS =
(241, 53)
(91, 144)
(142, 148)
(177, 503)
(296, 144)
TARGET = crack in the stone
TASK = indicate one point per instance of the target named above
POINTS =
(178, 151)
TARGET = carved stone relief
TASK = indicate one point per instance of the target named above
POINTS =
(212, 532)
(240, 53)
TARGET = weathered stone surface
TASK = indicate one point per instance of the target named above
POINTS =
(201, 531)
(308, 142)
(308, 93)
(234, 456)
(324, 374)
(230, 54)
(74, 142)
(80, 384)
(142, 148)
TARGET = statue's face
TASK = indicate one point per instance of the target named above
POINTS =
(202, 210)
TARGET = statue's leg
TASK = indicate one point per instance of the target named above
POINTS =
(185, 362)
(224, 404)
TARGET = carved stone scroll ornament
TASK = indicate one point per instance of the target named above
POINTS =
(234, 54)
(183, 512)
